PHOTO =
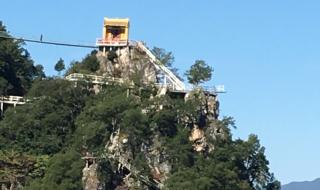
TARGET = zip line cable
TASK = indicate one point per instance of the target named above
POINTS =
(46, 42)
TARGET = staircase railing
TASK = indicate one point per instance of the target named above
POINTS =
(177, 83)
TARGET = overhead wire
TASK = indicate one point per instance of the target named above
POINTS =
(6, 36)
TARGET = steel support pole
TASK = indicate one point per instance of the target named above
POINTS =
(1, 108)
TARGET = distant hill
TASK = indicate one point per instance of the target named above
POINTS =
(305, 185)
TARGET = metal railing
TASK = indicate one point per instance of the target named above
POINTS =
(171, 81)
(106, 42)
(12, 99)
(93, 78)
(176, 82)
(215, 89)
(211, 89)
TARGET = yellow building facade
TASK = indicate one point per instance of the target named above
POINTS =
(115, 33)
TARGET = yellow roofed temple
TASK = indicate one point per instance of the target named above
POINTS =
(115, 33)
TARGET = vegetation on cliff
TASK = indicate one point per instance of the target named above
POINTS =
(42, 142)
(17, 70)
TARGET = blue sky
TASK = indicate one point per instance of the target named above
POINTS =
(266, 53)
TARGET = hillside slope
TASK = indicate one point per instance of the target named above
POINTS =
(74, 135)
(305, 185)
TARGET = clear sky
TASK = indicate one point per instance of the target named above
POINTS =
(266, 53)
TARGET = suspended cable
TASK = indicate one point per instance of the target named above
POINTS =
(46, 42)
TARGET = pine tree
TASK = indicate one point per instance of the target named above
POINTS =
(199, 72)
(59, 66)
(17, 70)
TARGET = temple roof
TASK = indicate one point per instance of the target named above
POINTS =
(116, 22)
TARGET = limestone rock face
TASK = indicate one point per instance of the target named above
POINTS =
(208, 131)
(158, 161)
(156, 158)
(90, 177)
(209, 102)
(129, 64)
(13, 186)
(118, 152)
(198, 139)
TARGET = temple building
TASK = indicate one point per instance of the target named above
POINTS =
(115, 34)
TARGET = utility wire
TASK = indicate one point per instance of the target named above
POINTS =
(3, 35)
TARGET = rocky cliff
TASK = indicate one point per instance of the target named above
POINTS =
(129, 63)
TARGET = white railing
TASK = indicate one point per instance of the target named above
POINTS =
(171, 81)
(93, 78)
(212, 89)
(162, 85)
(176, 82)
(220, 89)
(106, 42)
(12, 100)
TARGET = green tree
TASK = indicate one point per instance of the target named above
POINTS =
(101, 116)
(89, 64)
(59, 66)
(45, 139)
(165, 121)
(233, 165)
(40, 72)
(253, 165)
(46, 124)
(166, 58)
(134, 124)
(16, 66)
(199, 72)
(64, 172)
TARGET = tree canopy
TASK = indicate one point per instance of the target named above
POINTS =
(68, 121)
(59, 66)
(88, 65)
(166, 58)
(199, 72)
(42, 142)
(17, 70)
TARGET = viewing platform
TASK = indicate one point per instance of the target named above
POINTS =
(13, 100)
